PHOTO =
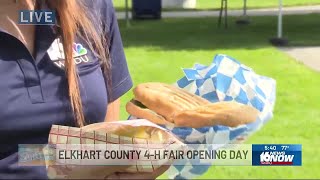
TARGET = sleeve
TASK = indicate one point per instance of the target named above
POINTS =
(121, 79)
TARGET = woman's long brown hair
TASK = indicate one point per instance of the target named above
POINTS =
(74, 19)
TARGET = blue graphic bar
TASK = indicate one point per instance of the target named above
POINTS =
(276, 155)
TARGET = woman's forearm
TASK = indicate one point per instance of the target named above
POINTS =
(113, 111)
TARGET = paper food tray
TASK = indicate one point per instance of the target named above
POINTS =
(103, 133)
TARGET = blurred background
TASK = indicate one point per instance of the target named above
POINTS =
(188, 32)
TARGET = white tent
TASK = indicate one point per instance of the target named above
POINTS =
(127, 13)
(280, 20)
(279, 40)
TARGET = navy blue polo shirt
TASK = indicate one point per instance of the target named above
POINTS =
(34, 93)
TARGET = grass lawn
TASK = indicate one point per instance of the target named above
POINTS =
(238, 4)
(233, 4)
(156, 51)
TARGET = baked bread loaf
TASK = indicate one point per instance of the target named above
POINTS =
(166, 104)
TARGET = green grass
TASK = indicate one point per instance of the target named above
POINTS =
(238, 4)
(156, 51)
(233, 4)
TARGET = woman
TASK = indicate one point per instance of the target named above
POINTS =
(70, 73)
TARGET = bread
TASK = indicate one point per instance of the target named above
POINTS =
(230, 114)
(165, 104)
(165, 99)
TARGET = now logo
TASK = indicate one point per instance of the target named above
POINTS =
(275, 158)
(37, 17)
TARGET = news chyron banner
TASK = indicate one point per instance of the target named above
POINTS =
(159, 154)
(276, 155)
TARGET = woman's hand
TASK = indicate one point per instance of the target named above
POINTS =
(113, 115)
(152, 175)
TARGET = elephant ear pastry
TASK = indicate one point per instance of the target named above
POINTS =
(166, 104)
(230, 114)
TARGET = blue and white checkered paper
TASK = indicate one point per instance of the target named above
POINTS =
(225, 79)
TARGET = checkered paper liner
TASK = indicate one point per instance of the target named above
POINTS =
(225, 79)
(80, 137)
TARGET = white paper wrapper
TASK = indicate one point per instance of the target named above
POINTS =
(121, 134)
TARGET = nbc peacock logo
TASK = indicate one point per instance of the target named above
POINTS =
(56, 53)
(78, 50)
